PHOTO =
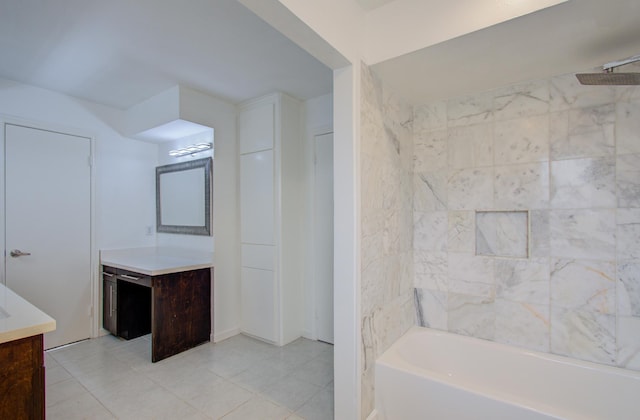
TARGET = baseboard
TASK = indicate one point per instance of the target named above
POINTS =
(223, 335)
(308, 334)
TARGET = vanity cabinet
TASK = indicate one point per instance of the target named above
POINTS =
(22, 389)
(174, 307)
(271, 153)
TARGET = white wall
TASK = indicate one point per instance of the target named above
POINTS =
(124, 179)
(221, 116)
(124, 168)
(197, 242)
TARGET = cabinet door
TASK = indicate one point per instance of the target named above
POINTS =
(258, 296)
(110, 304)
(256, 198)
(22, 379)
(256, 128)
(258, 256)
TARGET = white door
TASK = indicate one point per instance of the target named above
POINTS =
(323, 234)
(48, 217)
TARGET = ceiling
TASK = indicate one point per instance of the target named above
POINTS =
(372, 4)
(571, 37)
(121, 52)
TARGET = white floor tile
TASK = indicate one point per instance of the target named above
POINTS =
(259, 409)
(239, 378)
(222, 399)
(291, 392)
(83, 406)
(201, 382)
(316, 372)
(64, 390)
(56, 374)
(319, 407)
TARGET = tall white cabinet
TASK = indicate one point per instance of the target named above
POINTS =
(272, 208)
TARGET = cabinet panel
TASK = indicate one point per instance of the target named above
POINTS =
(22, 379)
(258, 256)
(110, 304)
(109, 300)
(256, 198)
(256, 129)
(258, 296)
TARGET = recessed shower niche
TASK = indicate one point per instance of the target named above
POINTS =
(502, 233)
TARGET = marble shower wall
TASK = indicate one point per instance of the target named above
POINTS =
(567, 154)
(386, 155)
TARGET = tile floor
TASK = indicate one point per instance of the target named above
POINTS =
(238, 378)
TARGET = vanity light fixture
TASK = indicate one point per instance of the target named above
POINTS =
(190, 150)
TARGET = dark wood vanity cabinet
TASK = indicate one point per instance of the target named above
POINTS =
(175, 308)
(22, 379)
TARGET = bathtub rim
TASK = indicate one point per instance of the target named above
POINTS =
(554, 358)
(391, 359)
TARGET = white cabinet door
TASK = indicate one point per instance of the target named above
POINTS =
(258, 297)
(256, 198)
(256, 129)
(258, 256)
(323, 235)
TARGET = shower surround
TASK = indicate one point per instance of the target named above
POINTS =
(551, 169)
(568, 157)
(386, 158)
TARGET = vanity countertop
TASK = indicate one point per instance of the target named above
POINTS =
(154, 261)
(19, 318)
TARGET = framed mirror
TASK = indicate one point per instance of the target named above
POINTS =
(183, 197)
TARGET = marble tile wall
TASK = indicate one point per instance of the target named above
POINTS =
(387, 219)
(568, 157)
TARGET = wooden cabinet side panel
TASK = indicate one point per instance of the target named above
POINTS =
(22, 379)
(181, 306)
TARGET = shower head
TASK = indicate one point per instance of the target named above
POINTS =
(608, 77)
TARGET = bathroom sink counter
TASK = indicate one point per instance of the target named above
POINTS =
(19, 318)
(155, 261)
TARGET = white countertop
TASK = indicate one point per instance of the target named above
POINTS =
(155, 261)
(19, 318)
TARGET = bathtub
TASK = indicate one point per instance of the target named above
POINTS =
(434, 375)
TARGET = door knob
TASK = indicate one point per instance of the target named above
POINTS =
(15, 253)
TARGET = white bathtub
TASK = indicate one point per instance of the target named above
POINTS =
(434, 375)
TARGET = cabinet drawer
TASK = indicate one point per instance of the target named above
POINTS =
(109, 273)
(136, 278)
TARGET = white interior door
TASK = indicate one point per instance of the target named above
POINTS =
(48, 216)
(323, 234)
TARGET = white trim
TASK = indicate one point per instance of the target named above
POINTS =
(346, 290)
(215, 338)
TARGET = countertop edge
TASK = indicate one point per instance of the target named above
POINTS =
(158, 272)
(29, 331)
(23, 319)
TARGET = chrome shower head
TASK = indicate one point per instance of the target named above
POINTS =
(608, 77)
